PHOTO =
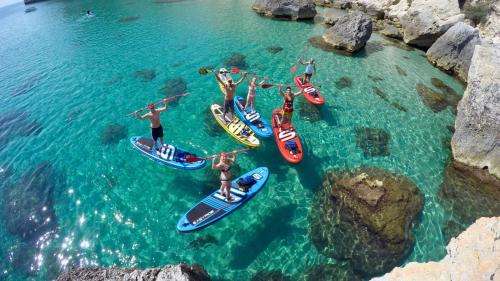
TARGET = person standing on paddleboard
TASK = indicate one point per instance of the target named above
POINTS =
(310, 69)
(154, 117)
(252, 88)
(229, 91)
(224, 166)
(287, 110)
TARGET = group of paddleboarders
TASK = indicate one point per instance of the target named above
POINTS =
(229, 87)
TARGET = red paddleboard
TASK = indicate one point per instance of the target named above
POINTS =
(286, 138)
(311, 93)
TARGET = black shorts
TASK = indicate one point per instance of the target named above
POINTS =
(228, 106)
(157, 133)
(308, 75)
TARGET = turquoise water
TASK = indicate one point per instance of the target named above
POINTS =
(115, 207)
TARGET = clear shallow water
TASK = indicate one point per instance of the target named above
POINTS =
(115, 207)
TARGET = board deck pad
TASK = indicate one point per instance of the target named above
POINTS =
(284, 133)
(311, 93)
(235, 127)
(215, 206)
(252, 119)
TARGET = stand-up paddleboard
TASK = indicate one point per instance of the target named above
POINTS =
(287, 139)
(168, 155)
(234, 127)
(215, 206)
(310, 92)
(253, 120)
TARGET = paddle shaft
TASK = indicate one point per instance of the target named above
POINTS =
(301, 55)
(160, 102)
(239, 71)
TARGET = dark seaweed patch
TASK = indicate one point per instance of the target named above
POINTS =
(373, 141)
(113, 80)
(375, 78)
(145, 75)
(270, 276)
(236, 60)
(308, 111)
(172, 87)
(28, 210)
(399, 107)
(113, 133)
(380, 93)
(274, 49)
(128, 19)
(432, 99)
(203, 241)
(401, 71)
(343, 82)
(16, 124)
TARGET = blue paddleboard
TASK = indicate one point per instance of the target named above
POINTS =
(215, 206)
(253, 120)
(168, 155)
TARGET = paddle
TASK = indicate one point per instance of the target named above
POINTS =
(238, 71)
(192, 158)
(295, 65)
(266, 86)
(160, 102)
(204, 71)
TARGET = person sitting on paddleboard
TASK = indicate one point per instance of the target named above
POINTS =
(224, 166)
(154, 117)
(252, 87)
(310, 69)
(287, 110)
(229, 91)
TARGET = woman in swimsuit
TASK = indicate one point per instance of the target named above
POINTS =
(287, 110)
(224, 166)
(252, 87)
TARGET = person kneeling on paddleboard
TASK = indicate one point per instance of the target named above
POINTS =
(224, 166)
(287, 110)
(229, 91)
(252, 87)
(310, 69)
(154, 117)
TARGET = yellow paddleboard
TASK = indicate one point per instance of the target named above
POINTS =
(235, 127)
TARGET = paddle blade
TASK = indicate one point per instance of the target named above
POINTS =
(193, 158)
(267, 86)
(293, 69)
(235, 70)
(203, 71)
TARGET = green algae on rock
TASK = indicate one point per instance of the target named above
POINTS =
(401, 71)
(373, 141)
(328, 272)
(468, 193)
(432, 99)
(365, 216)
(343, 82)
(113, 133)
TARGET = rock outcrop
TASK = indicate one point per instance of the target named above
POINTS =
(365, 217)
(286, 9)
(426, 20)
(350, 33)
(180, 272)
(453, 51)
(473, 255)
(477, 126)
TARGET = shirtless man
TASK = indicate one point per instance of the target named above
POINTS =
(229, 91)
(154, 117)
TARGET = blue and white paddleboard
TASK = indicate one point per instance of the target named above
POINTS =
(168, 155)
(253, 120)
(215, 206)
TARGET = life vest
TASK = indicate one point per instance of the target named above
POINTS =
(288, 104)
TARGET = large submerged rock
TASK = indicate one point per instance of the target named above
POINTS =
(426, 20)
(365, 217)
(468, 193)
(473, 255)
(179, 272)
(350, 33)
(477, 126)
(453, 51)
(28, 211)
(286, 9)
